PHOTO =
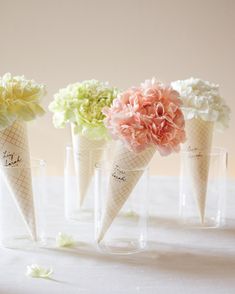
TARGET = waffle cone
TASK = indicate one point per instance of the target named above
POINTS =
(127, 169)
(14, 152)
(86, 154)
(199, 141)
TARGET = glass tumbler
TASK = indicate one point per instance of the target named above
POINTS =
(79, 181)
(203, 188)
(121, 198)
(17, 213)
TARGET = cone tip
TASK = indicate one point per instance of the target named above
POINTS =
(202, 218)
(81, 202)
(99, 238)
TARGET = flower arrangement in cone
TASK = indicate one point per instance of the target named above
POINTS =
(204, 110)
(202, 100)
(19, 99)
(145, 119)
(81, 105)
(19, 103)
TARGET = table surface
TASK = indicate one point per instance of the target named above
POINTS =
(178, 260)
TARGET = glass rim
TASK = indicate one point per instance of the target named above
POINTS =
(103, 166)
(107, 146)
(215, 151)
(34, 163)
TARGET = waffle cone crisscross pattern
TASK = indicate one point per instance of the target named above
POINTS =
(199, 141)
(126, 171)
(14, 153)
(86, 154)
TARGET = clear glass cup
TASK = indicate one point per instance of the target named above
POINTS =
(75, 182)
(128, 231)
(13, 229)
(203, 188)
(73, 210)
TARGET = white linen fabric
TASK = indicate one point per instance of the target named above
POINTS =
(178, 259)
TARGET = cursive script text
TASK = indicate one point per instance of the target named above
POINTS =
(10, 158)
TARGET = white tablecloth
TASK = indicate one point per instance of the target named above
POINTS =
(178, 260)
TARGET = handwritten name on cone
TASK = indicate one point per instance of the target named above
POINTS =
(15, 162)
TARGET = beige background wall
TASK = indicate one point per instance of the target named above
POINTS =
(124, 42)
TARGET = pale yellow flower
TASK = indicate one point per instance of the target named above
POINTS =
(19, 99)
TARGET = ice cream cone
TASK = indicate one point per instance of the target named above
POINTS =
(86, 154)
(15, 160)
(199, 141)
(126, 171)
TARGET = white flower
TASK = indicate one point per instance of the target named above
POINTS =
(201, 99)
(63, 240)
(36, 271)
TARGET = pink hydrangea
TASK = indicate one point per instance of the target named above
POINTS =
(149, 115)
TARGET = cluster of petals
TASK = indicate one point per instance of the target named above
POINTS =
(20, 99)
(81, 104)
(149, 115)
(201, 99)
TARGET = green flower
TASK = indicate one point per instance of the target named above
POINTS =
(64, 240)
(82, 104)
(37, 271)
(19, 99)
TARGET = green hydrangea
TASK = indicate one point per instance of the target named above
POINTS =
(19, 99)
(82, 104)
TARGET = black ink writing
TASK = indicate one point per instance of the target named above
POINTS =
(195, 152)
(119, 174)
(10, 158)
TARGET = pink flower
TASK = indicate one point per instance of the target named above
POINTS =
(149, 115)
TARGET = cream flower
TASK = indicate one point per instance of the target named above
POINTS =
(36, 271)
(201, 99)
(19, 99)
